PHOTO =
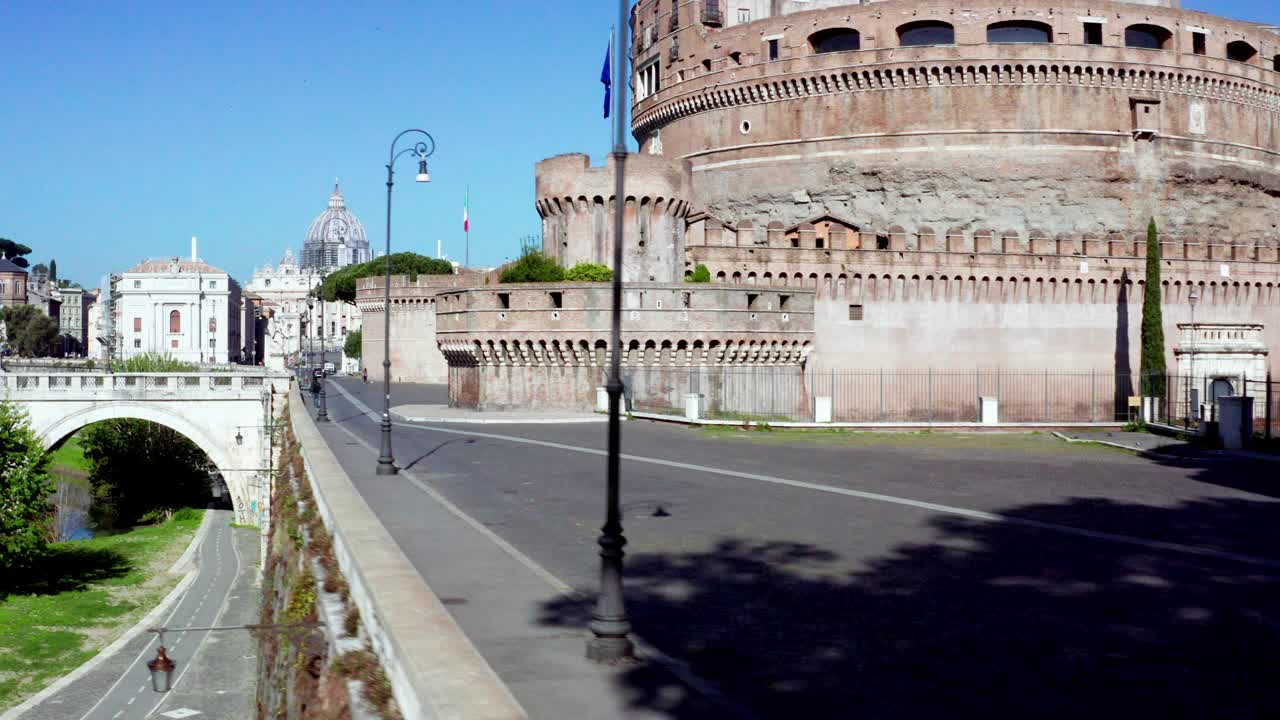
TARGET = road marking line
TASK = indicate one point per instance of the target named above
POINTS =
(864, 495)
(676, 667)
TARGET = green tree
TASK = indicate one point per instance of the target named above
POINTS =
(532, 267)
(353, 346)
(700, 274)
(29, 332)
(341, 284)
(14, 251)
(1152, 365)
(589, 272)
(136, 466)
(53, 271)
(24, 490)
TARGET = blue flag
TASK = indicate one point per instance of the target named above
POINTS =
(606, 77)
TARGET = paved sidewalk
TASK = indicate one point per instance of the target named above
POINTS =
(500, 599)
(1137, 441)
(446, 414)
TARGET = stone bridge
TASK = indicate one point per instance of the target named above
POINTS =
(227, 414)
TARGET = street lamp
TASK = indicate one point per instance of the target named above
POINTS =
(609, 625)
(323, 415)
(162, 666)
(161, 669)
(422, 149)
(1194, 395)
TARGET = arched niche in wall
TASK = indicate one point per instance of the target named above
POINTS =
(926, 32)
(835, 40)
(1019, 31)
(1149, 37)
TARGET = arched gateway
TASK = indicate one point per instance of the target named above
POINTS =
(226, 414)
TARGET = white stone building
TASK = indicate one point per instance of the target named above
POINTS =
(182, 308)
(290, 327)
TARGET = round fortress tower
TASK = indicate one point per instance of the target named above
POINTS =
(1066, 119)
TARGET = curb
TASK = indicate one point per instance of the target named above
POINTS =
(148, 620)
(486, 421)
(998, 427)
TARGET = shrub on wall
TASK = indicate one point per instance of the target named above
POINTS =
(1153, 367)
(341, 284)
(533, 267)
(589, 272)
(700, 274)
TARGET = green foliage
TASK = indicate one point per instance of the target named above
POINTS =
(589, 272)
(341, 284)
(24, 490)
(153, 362)
(532, 267)
(29, 332)
(354, 344)
(53, 271)
(138, 467)
(14, 251)
(700, 274)
(1152, 364)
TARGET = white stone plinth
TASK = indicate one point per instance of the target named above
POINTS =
(988, 410)
(692, 406)
(822, 409)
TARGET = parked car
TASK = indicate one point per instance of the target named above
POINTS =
(328, 369)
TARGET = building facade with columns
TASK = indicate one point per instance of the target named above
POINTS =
(182, 308)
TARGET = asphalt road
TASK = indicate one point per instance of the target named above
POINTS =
(222, 592)
(892, 577)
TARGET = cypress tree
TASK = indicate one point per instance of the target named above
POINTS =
(1152, 364)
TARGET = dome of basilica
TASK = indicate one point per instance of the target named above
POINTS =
(336, 238)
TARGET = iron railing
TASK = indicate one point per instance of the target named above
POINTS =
(790, 393)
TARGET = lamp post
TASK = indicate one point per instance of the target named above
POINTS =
(323, 415)
(609, 625)
(422, 149)
(311, 338)
(1193, 395)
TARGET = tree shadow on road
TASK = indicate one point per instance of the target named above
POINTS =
(986, 618)
(64, 568)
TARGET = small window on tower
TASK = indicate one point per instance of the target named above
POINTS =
(773, 49)
(504, 300)
(855, 312)
(1092, 33)
(1198, 43)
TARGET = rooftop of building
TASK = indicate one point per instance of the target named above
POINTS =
(8, 266)
(174, 265)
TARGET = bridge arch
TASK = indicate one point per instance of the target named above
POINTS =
(237, 467)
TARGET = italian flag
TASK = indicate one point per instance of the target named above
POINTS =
(466, 212)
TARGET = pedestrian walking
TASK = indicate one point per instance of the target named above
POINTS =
(315, 389)
(364, 374)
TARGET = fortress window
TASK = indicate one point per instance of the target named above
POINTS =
(1198, 43)
(835, 40)
(1149, 37)
(1275, 63)
(504, 300)
(557, 299)
(1241, 51)
(1092, 33)
(773, 49)
(751, 300)
(855, 312)
(784, 302)
(1019, 31)
(882, 242)
(736, 57)
(926, 32)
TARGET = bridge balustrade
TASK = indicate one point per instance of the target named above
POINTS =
(29, 386)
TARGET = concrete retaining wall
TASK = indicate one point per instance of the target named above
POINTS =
(434, 670)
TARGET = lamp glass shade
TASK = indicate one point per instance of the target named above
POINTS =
(161, 669)
(239, 438)
(423, 175)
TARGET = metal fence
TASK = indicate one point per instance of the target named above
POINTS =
(788, 393)
(1187, 402)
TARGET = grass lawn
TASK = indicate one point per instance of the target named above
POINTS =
(70, 456)
(81, 598)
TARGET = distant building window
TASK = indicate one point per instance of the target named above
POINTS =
(137, 283)
(1198, 43)
(773, 49)
(137, 324)
(648, 81)
(926, 32)
(268, 283)
(1, 286)
(173, 343)
(212, 344)
(1149, 37)
(1019, 31)
(175, 322)
(1092, 33)
(137, 343)
(213, 283)
(835, 40)
(855, 312)
(1241, 51)
(744, 15)
(213, 325)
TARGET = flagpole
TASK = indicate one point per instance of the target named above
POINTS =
(613, 58)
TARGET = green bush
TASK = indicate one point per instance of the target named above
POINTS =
(532, 267)
(353, 346)
(341, 284)
(153, 362)
(700, 274)
(24, 490)
(1152, 358)
(589, 272)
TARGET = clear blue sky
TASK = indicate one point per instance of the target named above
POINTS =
(127, 127)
